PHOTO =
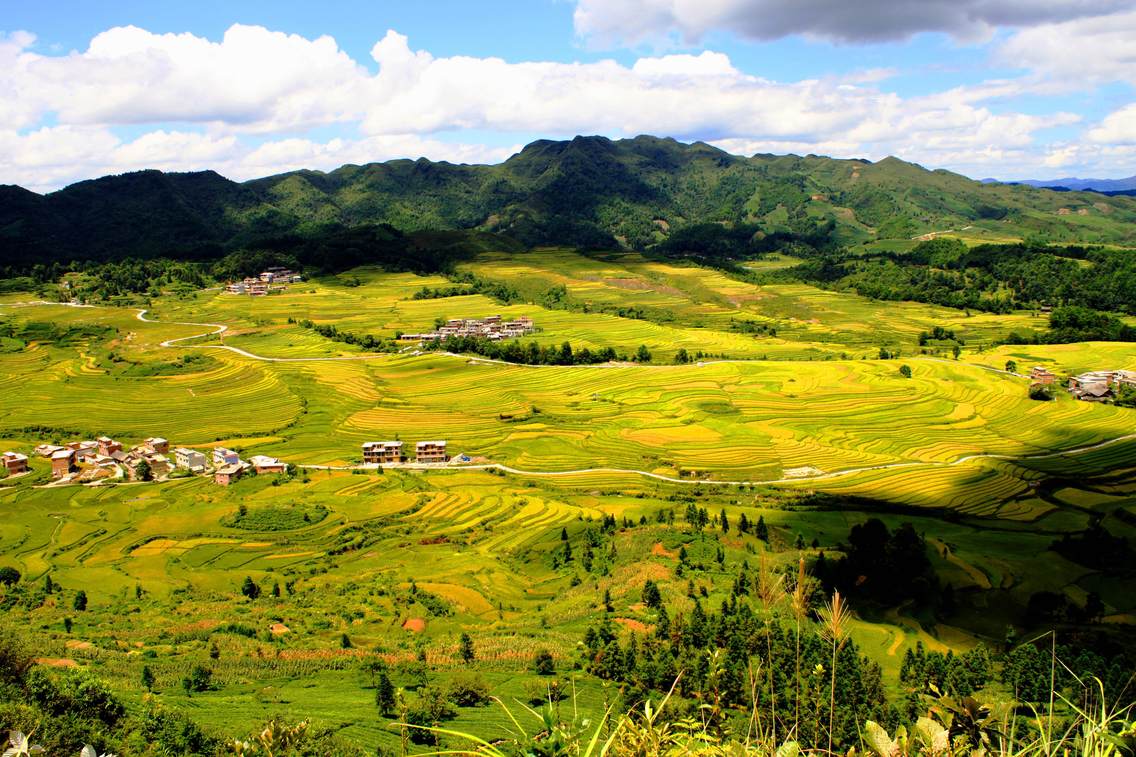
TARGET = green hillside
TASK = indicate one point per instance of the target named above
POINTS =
(589, 191)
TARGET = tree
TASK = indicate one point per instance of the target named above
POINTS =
(800, 541)
(147, 678)
(682, 357)
(743, 524)
(651, 596)
(1094, 607)
(761, 531)
(345, 641)
(466, 649)
(607, 605)
(543, 663)
(643, 355)
(1011, 366)
(143, 471)
(9, 576)
(81, 601)
(200, 678)
(384, 693)
(249, 588)
(725, 522)
(905, 371)
(956, 351)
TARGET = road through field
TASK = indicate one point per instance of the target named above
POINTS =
(218, 329)
(721, 482)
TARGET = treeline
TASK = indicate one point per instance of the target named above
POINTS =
(533, 353)
(720, 244)
(733, 659)
(1073, 323)
(992, 278)
(882, 566)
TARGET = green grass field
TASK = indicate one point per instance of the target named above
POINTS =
(822, 433)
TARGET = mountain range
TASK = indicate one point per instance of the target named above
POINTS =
(1094, 185)
(588, 191)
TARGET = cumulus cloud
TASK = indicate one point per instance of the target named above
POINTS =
(253, 79)
(863, 21)
(1117, 128)
(246, 106)
(1077, 53)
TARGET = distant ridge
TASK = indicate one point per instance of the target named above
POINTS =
(588, 191)
(1104, 186)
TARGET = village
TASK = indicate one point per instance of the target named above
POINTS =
(271, 280)
(1093, 386)
(107, 460)
(490, 327)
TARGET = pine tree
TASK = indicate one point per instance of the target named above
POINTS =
(761, 531)
(651, 596)
(725, 521)
(249, 588)
(663, 624)
(384, 694)
(743, 524)
(466, 649)
(147, 678)
(81, 601)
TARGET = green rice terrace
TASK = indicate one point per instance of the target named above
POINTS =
(736, 445)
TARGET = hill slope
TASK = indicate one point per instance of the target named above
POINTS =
(587, 191)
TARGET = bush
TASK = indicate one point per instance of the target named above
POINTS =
(199, 679)
(1041, 393)
(543, 663)
(9, 576)
(469, 690)
(74, 693)
(543, 691)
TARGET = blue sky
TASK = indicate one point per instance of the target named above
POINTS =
(999, 88)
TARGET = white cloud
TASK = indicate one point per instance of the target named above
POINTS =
(253, 79)
(245, 106)
(1117, 128)
(49, 158)
(1080, 52)
(637, 21)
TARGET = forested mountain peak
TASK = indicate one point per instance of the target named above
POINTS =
(590, 191)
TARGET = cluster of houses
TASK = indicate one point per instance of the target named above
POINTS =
(1094, 386)
(386, 453)
(227, 466)
(492, 328)
(271, 280)
(105, 458)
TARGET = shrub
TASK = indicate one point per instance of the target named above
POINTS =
(469, 690)
(199, 679)
(543, 663)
